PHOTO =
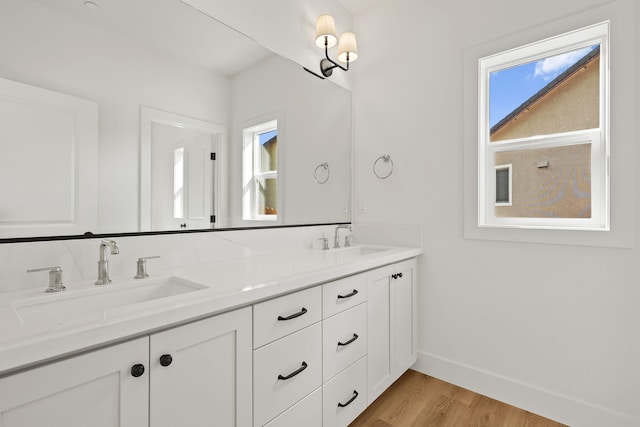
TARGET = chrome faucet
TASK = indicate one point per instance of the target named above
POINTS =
(336, 238)
(103, 264)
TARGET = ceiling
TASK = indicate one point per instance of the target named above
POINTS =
(172, 27)
(356, 7)
(177, 29)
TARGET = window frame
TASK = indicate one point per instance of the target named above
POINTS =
(598, 138)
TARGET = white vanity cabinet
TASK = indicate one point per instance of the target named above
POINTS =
(206, 381)
(315, 357)
(391, 323)
(95, 389)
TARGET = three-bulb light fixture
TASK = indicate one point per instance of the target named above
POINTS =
(326, 38)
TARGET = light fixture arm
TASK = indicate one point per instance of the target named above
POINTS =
(327, 64)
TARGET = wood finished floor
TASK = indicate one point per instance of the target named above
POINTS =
(417, 400)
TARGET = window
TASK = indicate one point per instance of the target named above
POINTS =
(260, 172)
(543, 133)
(503, 185)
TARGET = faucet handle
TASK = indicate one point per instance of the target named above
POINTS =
(55, 278)
(347, 240)
(141, 266)
(325, 243)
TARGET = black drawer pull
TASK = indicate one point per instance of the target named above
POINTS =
(294, 373)
(293, 316)
(349, 295)
(355, 337)
(348, 402)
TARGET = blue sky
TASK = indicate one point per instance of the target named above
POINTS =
(264, 137)
(511, 87)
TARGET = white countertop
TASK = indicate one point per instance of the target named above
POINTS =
(226, 285)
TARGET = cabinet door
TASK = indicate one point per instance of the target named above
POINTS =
(95, 389)
(378, 332)
(201, 373)
(403, 317)
(391, 324)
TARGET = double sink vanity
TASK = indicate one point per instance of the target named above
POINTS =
(302, 337)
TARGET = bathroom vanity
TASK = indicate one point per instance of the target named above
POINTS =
(306, 337)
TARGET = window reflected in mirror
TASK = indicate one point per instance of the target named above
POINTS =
(260, 172)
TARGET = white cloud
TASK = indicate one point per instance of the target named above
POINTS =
(550, 68)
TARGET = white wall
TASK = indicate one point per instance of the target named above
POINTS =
(551, 328)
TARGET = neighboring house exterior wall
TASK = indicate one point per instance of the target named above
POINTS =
(561, 189)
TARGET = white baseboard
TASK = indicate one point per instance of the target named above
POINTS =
(549, 404)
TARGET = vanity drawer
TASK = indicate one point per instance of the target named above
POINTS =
(285, 371)
(307, 413)
(344, 340)
(342, 294)
(345, 396)
(282, 316)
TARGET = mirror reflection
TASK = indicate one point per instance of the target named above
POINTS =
(148, 112)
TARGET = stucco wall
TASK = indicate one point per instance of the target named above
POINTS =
(561, 189)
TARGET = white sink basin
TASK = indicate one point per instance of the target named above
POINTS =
(364, 250)
(319, 259)
(352, 253)
(98, 302)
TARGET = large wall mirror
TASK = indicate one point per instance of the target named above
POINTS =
(127, 116)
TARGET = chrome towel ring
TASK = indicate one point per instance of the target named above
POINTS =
(385, 169)
(321, 173)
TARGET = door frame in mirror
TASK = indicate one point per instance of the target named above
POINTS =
(149, 116)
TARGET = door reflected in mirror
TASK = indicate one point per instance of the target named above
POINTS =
(180, 183)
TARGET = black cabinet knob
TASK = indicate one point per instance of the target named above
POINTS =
(166, 359)
(137, 370)
(400, 275)
(394, 276)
